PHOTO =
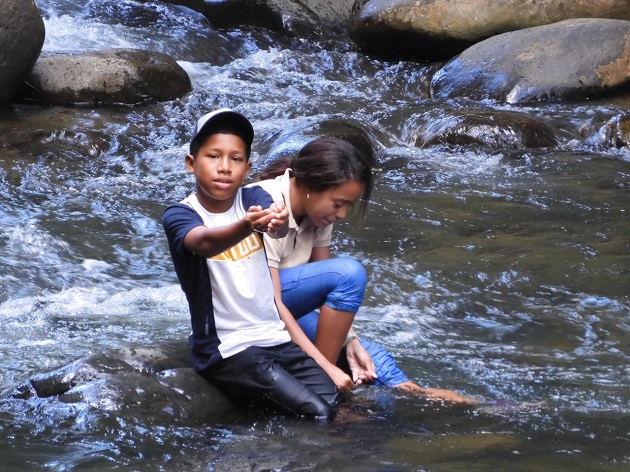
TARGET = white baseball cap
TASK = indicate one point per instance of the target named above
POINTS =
(225, 116)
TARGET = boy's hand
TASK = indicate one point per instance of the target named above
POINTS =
(272, 220)
(259, 219)
(280, 220)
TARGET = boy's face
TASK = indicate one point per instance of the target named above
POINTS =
(220, 167)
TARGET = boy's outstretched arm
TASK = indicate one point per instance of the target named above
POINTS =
(209, 242)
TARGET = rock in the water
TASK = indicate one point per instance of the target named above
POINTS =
(305, 17)
(573, 59)
(494, 130)
(439, 29)
(143, 384)
(116, 76)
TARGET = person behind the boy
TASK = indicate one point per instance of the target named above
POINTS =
(238, 341)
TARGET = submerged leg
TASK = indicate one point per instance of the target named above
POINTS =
(387, 371)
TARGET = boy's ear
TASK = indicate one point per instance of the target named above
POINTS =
(189, 160)
(249, 169)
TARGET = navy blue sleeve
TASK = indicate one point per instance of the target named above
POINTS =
(178, 220)
(256, 195)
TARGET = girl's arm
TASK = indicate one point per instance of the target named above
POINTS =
(338, 376)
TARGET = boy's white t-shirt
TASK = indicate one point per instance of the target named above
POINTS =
(245, 313)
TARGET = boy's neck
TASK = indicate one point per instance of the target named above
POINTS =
(214, 206)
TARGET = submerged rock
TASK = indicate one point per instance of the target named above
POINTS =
(288, 142)
(115, 76)
(492, 130)
(573, 59)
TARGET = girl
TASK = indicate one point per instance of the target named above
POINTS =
(318, 187)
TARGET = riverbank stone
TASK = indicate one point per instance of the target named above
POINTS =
(439, 29)
(569, 60)
(22, 35)
(109, 77)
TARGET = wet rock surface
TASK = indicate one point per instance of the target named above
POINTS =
(439, 29)
(115, 76)
(137, 383)
(305, 17)
(365, 137)
(552, 62)
(490, 130)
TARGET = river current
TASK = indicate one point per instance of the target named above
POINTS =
(502, 275)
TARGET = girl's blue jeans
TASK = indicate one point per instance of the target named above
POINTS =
(340, 284)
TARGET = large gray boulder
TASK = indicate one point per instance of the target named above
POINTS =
(22, 36)
(572, 59)
(146, 384)
(440, 29)
(115, 76)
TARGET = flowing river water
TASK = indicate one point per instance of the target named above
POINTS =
(502, 275)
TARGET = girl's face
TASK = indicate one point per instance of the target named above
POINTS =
(324, 208)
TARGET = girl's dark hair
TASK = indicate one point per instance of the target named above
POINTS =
(325, 163)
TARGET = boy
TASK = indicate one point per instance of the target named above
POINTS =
(238, 341)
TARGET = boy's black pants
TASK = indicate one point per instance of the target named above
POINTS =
(283, 375)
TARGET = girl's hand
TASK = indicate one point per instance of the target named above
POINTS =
(343, 381)
(273, 220)
(279, 222)
(360, 362)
